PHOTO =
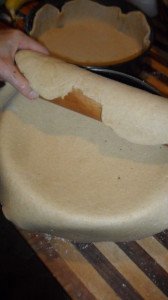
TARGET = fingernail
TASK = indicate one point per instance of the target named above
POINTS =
(33, 95)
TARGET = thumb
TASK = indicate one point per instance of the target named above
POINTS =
(14, 77)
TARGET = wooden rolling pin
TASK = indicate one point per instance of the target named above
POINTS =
(78, 102)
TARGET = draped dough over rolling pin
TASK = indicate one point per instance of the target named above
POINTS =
(133, 114)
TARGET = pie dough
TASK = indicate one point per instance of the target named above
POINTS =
(133, 114)
(72, 176)
(87, 33)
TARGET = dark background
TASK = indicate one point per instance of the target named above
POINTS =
(22, 274)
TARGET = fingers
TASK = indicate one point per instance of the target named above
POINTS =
(28, 43)
(21, 83)
(13, 76)
(11, 41)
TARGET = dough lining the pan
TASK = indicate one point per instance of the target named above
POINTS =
(87, 33)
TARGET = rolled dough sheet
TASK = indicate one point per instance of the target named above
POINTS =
(66, 174)
(133, 114)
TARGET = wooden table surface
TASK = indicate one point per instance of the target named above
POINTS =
(107, 270)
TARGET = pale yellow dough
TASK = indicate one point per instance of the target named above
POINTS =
(133, 114)
(69, 175)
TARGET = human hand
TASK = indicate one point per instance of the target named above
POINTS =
(12, 40)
